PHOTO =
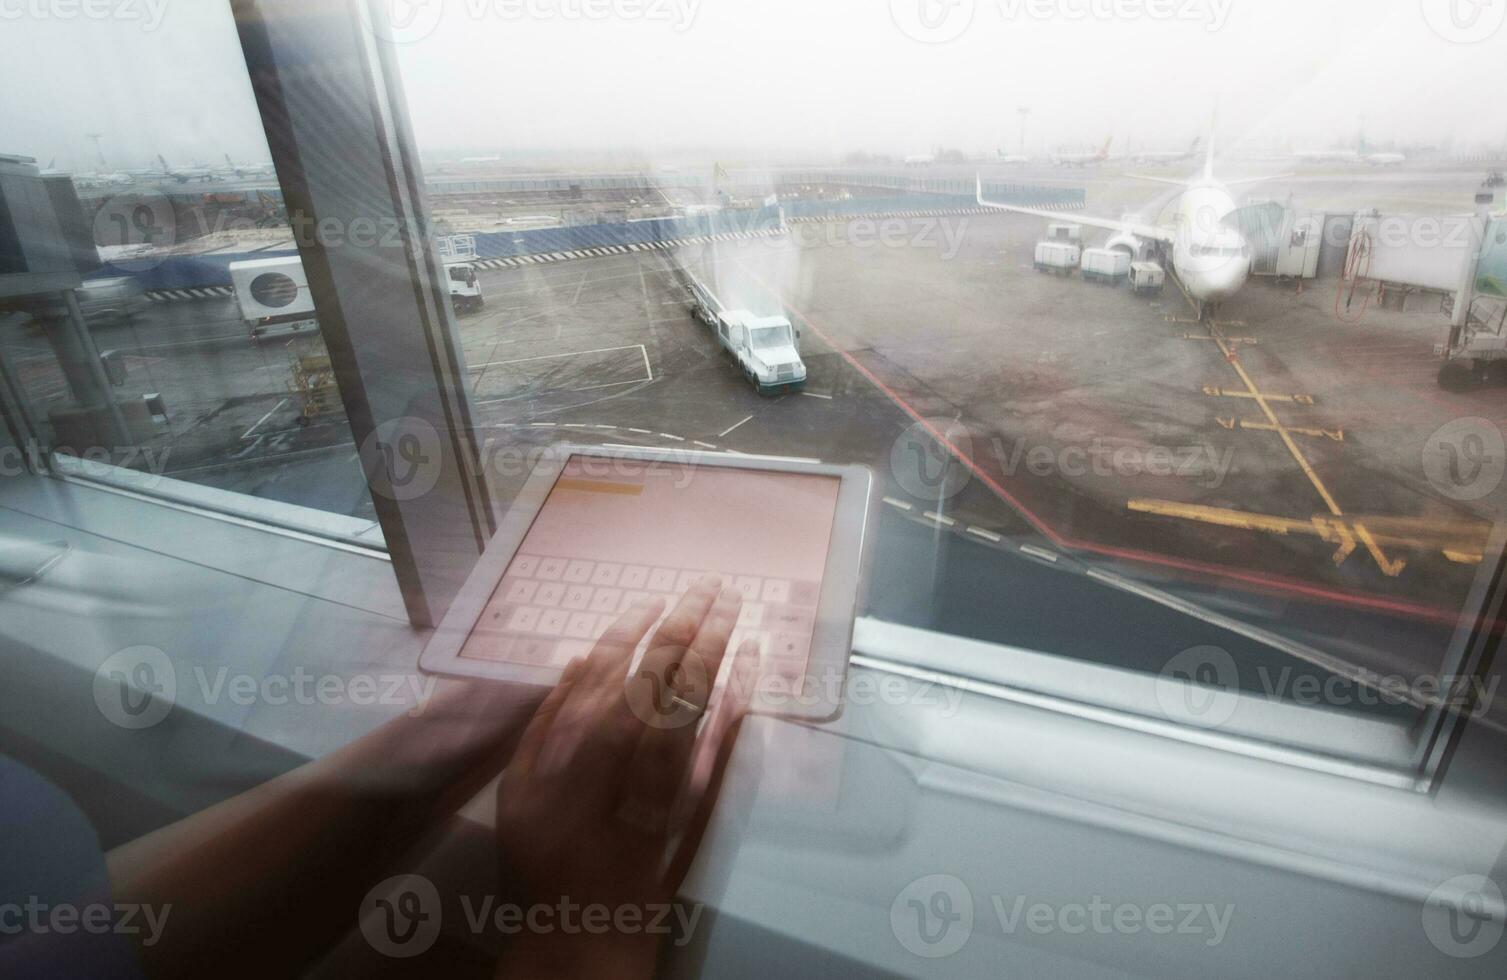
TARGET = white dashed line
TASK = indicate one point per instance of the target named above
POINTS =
(263, 420)
(812, 394)
(944, 521)
(979, 532)
(724, 433)
(642, 432)
(900, 504)
(703, 445)
(1041, 553)
(666, 435)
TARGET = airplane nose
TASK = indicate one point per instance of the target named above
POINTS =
(1226, 281)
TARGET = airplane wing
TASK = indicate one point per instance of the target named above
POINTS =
(1152, 232)
(1158, 180)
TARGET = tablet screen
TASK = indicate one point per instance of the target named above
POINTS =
(615, 530)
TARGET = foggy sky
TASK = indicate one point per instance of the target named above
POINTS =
(781, 79)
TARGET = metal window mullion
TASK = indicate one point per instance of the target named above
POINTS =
(329, 110)
(448, 354)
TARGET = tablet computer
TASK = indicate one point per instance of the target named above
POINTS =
(595, 530)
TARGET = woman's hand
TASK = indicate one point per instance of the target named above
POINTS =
(613, 771)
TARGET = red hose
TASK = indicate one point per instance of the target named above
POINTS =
(1357, 268)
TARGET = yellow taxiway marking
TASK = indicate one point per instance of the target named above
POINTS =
(1264, 401)
(1333, 435)
(1389, 568)
(1234, 341)
(1199, 323)
(1214, 391)
(1459, 541)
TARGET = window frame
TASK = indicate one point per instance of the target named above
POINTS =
(331, 100)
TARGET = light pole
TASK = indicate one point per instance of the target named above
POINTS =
(98, 148)
(1024, 112)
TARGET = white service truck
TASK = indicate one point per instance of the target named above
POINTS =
(458, 253)
(765, 347)
(274, 297)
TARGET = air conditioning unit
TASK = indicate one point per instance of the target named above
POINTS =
(272, 289)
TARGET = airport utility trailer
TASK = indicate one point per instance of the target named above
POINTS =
(764, 347)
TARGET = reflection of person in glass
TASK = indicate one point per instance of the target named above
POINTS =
(596, 806)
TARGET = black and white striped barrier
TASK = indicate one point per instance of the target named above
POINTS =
(931, 213)
(516, 262)
(187, 295)
(546, 258)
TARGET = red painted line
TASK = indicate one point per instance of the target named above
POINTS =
(1276, 583)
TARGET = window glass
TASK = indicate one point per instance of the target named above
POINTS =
(1291, 448)
(190, 350)
(1268, 447)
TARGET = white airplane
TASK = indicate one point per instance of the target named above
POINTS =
(1208, 254)
(1326, 156)
(1011, 159)
(1082, 159)
(266, 170)
(185, 174)
(920, 160)
(1351, 156)
(85, 180)
(1175, 156)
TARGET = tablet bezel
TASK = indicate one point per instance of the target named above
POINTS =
(843, 579)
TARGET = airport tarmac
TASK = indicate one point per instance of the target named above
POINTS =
(1269, 466)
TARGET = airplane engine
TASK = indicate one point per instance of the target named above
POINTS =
(1133, 246)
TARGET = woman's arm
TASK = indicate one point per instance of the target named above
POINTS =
(265, 883)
